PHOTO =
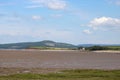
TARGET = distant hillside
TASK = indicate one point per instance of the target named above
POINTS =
(45, 43)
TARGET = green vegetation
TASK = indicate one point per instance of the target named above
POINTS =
(68, 75)
(113, 47)
(93, 48)
(48, 48)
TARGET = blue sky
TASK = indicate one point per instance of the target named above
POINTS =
(71, 21)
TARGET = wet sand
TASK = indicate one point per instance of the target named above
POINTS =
(58, 59)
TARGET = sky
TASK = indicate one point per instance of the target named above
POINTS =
(71, 21)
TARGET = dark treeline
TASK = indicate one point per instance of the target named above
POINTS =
(93, 48)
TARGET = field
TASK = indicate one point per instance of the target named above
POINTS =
(49, 48)
(114, 47)
(58, 65)
(68, 75)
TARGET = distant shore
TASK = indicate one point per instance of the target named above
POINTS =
(33, 50)
(107, 51)
(97, 51)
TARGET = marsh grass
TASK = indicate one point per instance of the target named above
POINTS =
(68, 75)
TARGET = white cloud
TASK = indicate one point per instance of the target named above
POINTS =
(56, 15)
(105, 23)
(10, 18)
(41, 33)
(52, 4)
(7, 4)
(36, 17)
(87, 31)
(20, 34)
(116, 2)
(51, 33)
(34, 6)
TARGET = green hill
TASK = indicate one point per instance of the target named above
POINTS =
(45, 43)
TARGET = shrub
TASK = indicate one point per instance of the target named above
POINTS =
(93, 48)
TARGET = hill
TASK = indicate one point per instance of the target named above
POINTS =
(45, 43)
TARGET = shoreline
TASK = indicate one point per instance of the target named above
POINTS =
(106, 51)
(32, 50)
(97, 51)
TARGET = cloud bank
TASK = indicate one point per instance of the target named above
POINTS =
(105, 22)
(87, 31)
(116, 2)
(35, 17)
(51, 4)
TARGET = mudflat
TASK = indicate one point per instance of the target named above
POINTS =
(58, 59)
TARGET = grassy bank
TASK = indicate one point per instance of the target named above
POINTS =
(114, 48)
(49, 48)
(68, 75)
